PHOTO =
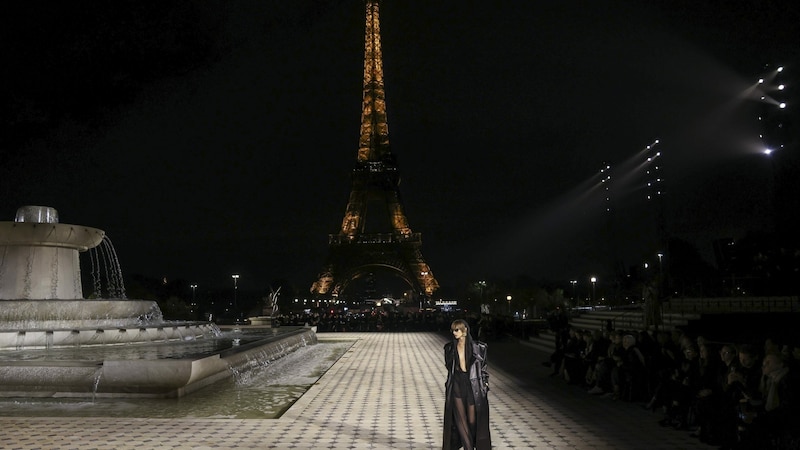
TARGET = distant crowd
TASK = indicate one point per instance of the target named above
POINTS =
(484, 326)
(730, 395)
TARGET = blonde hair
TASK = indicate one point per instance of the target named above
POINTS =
(459, 324)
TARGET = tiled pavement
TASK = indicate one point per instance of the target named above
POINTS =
(386, 392)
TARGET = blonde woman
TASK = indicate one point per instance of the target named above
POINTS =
(466, 408)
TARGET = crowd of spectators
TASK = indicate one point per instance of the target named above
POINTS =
(486, 326)
(731, 395)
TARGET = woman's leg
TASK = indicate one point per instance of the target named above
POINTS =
(465, 422)
(464, 416)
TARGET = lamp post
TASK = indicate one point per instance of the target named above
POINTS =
(660, 265)
(235, 290)
(574, 295)
(194, 287)
(594, 286)
(508, 297)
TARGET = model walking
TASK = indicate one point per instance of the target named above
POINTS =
(466, 407)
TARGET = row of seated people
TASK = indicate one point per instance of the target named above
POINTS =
(738, 396)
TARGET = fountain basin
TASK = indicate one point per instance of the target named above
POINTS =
(27, 234)
(142, 378)
(33, 339)
(76, 314)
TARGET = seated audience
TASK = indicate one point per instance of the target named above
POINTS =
(769, 421)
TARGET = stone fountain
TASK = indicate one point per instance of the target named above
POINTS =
(41, 297)
(43, 312)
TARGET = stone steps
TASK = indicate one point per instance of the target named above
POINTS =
(596, 320)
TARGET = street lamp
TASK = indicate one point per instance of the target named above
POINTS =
(594, 285)
(660, 266)
(508, 297)
(191, 309)
(235, 289)
(574, 295)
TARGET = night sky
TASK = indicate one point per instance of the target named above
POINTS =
(217, 137)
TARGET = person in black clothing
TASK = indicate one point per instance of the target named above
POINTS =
(683, 387)
(707, 401)
(466, 410)
(558, 321)
(629, 376)
(741, 384)
(663, 363)
(574, 351)
(596, 349)
(606, 365)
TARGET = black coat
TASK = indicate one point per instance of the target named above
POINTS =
(479, 380)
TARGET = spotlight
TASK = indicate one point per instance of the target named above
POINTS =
(782, 105)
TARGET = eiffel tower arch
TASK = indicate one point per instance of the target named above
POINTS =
(385, 242)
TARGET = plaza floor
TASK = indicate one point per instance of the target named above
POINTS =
(386, 392)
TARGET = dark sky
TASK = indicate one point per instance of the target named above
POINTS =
(217, 137)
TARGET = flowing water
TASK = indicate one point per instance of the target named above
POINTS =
(265, 392)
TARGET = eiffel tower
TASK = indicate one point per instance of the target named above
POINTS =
(386, 242)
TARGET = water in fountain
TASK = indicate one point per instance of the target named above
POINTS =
(264, 392)
(105, 265)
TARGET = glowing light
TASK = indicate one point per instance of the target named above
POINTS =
(782, 105)
(781, 87)
(760, 81)
(767, 151)
(780, 69)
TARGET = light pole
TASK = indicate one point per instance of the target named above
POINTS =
(194, 287)
(235, 289)
(508, 297)
(594, 285)
(574, 289)
(660, 265)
